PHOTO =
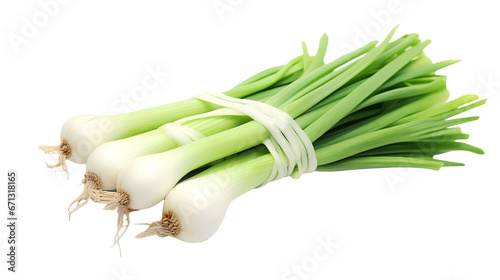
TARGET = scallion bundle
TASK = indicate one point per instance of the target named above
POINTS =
(376, 107)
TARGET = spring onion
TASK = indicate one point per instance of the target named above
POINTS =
(380, 106)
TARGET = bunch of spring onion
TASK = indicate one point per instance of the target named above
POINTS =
(376, 107)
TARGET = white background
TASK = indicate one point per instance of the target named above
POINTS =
(388, 224)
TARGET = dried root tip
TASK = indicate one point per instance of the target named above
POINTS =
(91, 185)
(120, 201)
(114, 200)
(102, 196)
(123, 216)
(64, 152)
(152, 229)
(168, 226)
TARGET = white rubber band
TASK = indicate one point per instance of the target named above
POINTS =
(289, 145)
(181, 134)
